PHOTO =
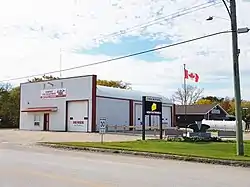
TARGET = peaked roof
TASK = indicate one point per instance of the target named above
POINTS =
(195, 109)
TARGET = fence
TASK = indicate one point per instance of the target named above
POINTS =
(150, 130)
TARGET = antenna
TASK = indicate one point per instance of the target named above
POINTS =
(60, 62)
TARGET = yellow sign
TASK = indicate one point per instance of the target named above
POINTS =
(153, 107)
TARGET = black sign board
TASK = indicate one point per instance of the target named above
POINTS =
(151, 105)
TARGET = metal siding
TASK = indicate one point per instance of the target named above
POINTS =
(78, 110)
(115, 111)
(78, 88)
(29, 118)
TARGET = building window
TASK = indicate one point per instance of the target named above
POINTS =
(36, 120)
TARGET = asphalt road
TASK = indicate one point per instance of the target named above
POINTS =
(24, 166)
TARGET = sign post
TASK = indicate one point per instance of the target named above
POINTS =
(102, 128)
(151, 106)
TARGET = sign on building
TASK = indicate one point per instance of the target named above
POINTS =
(53, 93)
(215, 111)
(78, 123)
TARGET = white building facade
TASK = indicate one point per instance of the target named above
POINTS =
(77, 104)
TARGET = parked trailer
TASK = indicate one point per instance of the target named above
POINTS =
(222, 125)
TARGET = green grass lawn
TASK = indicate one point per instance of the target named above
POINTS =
(217, 150)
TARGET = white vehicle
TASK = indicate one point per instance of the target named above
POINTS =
(223, 125)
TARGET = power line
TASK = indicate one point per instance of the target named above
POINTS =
(160, 19)
(119, 58)
(147, 24)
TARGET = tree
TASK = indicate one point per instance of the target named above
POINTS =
(203, 102)
(226, 104)
(14, 107)
(213, 99)
(109, 83)
(114, 84)
(193, 94)
(43, 78)
(9, 106)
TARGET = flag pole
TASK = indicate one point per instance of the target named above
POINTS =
(185, 96)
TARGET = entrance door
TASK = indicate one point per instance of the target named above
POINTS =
(46, 122)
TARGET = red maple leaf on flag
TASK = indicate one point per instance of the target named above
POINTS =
(191, 75)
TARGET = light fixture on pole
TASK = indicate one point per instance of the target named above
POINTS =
(210, 18)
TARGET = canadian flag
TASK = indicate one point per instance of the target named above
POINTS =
(191, 75)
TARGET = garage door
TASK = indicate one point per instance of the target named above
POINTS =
(166, 116)
(78, 116)
(138, 117)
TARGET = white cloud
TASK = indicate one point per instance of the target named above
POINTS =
(33, 31)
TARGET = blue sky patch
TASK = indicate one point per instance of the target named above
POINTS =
(126, 46)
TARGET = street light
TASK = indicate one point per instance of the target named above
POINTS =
(210, 18)
(236, 74)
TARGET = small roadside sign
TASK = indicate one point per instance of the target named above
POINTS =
(102, 127)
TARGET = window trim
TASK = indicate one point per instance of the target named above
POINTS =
(37, 120)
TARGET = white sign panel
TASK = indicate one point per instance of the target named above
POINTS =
(102, 126)
(153, 99)
(215, 111)
(78, 123)
(53, 93)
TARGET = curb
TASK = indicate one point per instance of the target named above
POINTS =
(152, 155)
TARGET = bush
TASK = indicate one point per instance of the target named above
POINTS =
(193, 139)
(201, 139)
(174, 139)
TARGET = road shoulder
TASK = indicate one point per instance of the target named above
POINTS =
(150, 155)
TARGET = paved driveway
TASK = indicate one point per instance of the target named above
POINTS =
(25, 137)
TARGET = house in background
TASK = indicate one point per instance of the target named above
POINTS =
(198, 113)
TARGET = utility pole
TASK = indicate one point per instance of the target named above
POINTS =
(236, 74)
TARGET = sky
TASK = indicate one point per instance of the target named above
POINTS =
(33, 32)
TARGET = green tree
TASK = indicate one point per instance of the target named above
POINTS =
(114, 84)
(245, 105)
(14, 105)
(43, 78)
(9, 106)
(109, 83)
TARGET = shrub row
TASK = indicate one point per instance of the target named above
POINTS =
(195, 139)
